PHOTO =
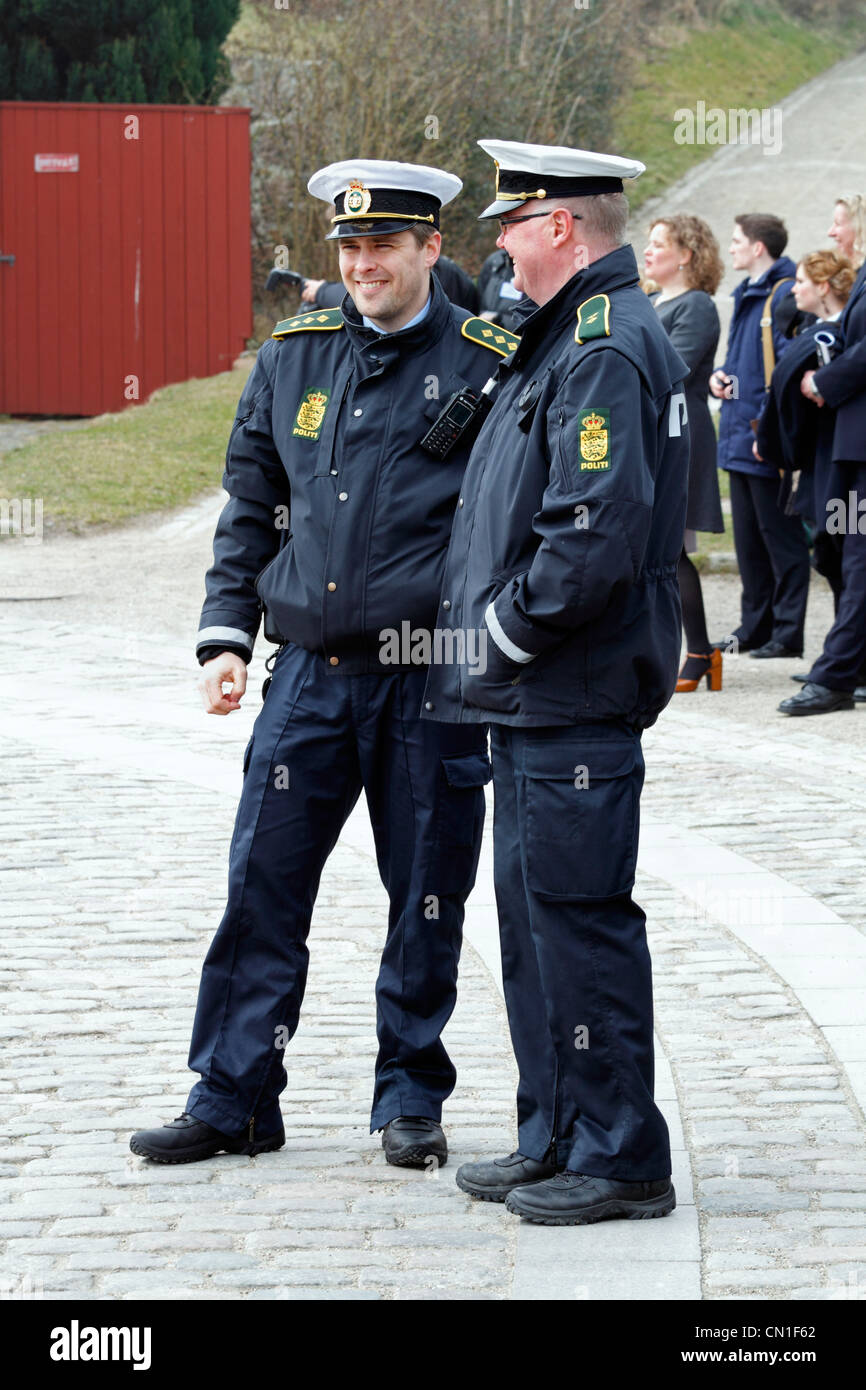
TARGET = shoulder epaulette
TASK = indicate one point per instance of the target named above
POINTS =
(489, 335)
(317, 321)
(593, 319)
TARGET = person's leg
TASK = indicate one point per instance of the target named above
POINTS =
(788, 549)
(842, 663)
(300, 783)
(692, 599)
(756, 572)
(524, 997)
(424, 783)
(578, 794)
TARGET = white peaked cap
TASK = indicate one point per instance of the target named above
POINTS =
(526, 171)
(383, 195)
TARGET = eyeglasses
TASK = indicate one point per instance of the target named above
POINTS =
(528, 216)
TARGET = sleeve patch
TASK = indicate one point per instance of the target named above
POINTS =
(594, 426)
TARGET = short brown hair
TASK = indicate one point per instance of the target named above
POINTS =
(421, 233)
(764, 227)
(833, 267)
(705, 268)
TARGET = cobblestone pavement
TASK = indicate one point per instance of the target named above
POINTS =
(116, 813)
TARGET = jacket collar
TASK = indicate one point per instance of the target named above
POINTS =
(614, 271)
(783, 268)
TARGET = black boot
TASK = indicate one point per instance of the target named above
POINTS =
(573, 1199)
(186, 1140)
(494, 1179)
(412, 1140)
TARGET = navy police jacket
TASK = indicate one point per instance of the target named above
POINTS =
(561, 575)
(337, 522)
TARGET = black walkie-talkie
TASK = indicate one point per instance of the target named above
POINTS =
(465, 410)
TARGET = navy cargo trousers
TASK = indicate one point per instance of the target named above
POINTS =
(575, 961)
(318, 740)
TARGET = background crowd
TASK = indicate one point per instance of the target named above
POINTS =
(793, 448)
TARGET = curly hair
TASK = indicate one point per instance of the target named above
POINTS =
(833, 267)
(705, 268)
(855, 206)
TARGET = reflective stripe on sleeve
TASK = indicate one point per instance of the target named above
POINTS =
(504, 643)
(208, 635)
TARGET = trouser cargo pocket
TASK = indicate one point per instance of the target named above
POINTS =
(582, 817)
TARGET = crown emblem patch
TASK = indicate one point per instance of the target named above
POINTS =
(311, 413)
(358, 198)
(594, 428)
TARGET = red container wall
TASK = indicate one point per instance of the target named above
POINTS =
(132, 261)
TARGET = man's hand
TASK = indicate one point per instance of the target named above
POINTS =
(225, 667)
(807, 390)
(721, 386)
(310, 290)
(755, 451)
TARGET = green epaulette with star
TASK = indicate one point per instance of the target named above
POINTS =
(593, 319)
(317, 321)
(489, 335)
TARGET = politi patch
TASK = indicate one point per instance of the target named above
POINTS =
(594, 426)
(311, 413)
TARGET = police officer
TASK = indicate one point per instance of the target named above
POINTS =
(337, 523)
(564, 557)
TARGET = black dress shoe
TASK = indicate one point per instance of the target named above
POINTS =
(493, 1180)
(816, 699)
(412, 1141)
(801, 676)
(573, 1199)
(771, 650)
(860, 694)
(733, 643)
(186, 1140)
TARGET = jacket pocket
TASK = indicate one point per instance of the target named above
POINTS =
(582, 817)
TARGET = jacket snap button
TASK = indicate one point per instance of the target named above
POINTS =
(460, 501)
(428, 704)
(331, 587)
(344, 496)
(335, 661)
(357, 412)
(446, 603)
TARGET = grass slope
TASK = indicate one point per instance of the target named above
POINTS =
(753, 57)
(144, 459)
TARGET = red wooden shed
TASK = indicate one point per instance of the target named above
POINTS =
(124, 251)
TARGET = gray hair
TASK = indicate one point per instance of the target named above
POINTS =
(604, 218)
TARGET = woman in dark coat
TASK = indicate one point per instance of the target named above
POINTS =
(683, 259)
(838, 677)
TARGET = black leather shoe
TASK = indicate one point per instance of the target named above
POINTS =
(733, 643)
(816, 699)
(860, 694)
(573, 1199)
(412, 1141)
(493, 1180)
(186, 1140)
(801, 676)
(770, 650)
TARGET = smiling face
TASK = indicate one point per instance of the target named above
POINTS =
(662, 257)
(388, 277)
(842, 231)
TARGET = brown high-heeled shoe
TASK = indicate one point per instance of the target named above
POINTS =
(712, 662)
